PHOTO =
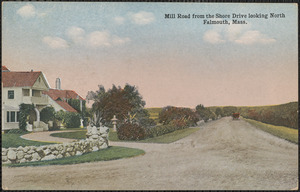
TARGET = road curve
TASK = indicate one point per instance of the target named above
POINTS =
(222, 155)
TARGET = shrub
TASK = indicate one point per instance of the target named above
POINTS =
(129, 131)
(72, 119)
(25, 110)
(47, 114)
(170, 113)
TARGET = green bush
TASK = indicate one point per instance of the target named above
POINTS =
(47, 114)
(25, 110)
(72, 120)
(129, 131)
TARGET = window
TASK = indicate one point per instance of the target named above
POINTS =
(12, 116)
(11, 94)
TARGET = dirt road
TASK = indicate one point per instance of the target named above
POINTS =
(224, 154)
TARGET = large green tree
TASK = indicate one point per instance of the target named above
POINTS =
(126, 103)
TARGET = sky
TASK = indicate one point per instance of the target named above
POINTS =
(178, 62)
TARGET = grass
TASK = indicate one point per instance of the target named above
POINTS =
(14, 140)
(286, 133)
(71, 135)
(167, 138)
(111, 153)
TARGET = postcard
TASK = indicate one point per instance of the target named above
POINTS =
(149, 96)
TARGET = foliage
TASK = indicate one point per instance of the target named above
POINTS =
(228, 110)
(118, 101)
(47, 114)
(219, 112)
(72, 119)
(110, 153)
(205, 113)
(171, 113)
(280, 115)
(130, 131)
(25, 110)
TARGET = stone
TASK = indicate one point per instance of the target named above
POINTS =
(39, 149)
(23, 161)
(94, 136)
(20, 148)
(28, 157)
(35, 157)
(104, 135)
(78, 153)
(95, 148)
(94, 131)
(45, 147)
(55, 152)
(25, 149)
(33, 148)
(103, 146)
(4, 151)
(104, 130)
(11, 155)
(70, 149)
(47, 152)
(30, 151)
(59, 147)
(72, 153)
(4, 158)
(20, 154)
(49, 157)
(67, 154)
(52, 147)
(7, 162)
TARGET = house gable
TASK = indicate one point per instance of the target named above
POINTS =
(41, 83)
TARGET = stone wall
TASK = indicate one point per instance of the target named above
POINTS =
(97, 138)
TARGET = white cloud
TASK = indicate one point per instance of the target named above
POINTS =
(76, 34)
(27, 11)
(99, 38)
(119, 20)
(251, 37)
(55, 42)
(213, 37)
(239, 34)
(94, 39)
(142, 17)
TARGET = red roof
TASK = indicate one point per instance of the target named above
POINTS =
(19, 79)
(66, 106)
(4, 68)
(63, 94)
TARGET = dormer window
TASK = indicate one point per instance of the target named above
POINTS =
(11, 94)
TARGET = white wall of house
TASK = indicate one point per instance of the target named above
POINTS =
(27, 95)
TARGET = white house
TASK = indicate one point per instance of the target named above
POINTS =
(31, 88)
(22, 87)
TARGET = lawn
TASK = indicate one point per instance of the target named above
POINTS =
(286, 133)
(167, 138)
(111, 153)
(14, 140)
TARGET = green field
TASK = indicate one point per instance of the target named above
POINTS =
(286, 133)
(14, 140)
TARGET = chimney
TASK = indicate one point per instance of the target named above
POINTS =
(57, 83)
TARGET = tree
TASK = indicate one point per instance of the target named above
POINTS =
(118, 101)
(47, 114)
(25, 111)
(229, 110)
(170, 113)
(219, 112)
(205, 113)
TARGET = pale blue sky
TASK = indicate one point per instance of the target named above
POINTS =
(178, 62)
